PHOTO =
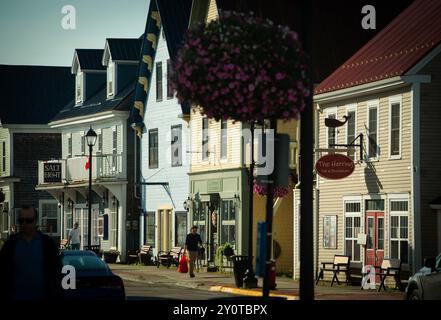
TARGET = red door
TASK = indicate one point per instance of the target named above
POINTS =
(375, 238)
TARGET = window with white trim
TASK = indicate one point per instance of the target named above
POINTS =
(176, 146)
(79, 78)
(49, 217)
(83, 144)
(395, 129)
(115, 149)
(224, 141)
(228, 222)
(113, 229)
(3, 149)
(399, 230)
(69, 146)
(110, 79)
(352, 229)
(181, 229)
(149, 228)
(332, 132)
(158, 81)
(205, 139)
(372, 132)
(68, 220)
(351, 132)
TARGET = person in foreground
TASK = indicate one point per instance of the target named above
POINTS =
(192, 243)
(30, 266)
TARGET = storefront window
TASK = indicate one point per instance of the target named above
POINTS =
(199, 213)
(180, 228)
(228, 222)
(149, 228)
(352, 229)
(399, 231)
(49, 217)
(69, 221)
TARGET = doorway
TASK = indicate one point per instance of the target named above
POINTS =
(165, 229)
(374, 253)
(81, 215)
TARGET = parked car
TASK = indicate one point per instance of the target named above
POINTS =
(426, 283)
(94, 279)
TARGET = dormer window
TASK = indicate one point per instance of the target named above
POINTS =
(110, 79)
(79, 87)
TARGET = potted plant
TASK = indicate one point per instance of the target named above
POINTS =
(228, 250)
(111, 255)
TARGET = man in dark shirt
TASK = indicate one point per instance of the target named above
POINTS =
(191, 246)
(30, 266)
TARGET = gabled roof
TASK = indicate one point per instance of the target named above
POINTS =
(123, 49)
(33, 94)
(393, 51)
(175, 18)
(88, 59)
(98, 103)
(175, 26)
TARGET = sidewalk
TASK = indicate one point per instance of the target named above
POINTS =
(214, 281)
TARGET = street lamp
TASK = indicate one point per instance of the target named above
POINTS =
(250, 280)
(91, 140)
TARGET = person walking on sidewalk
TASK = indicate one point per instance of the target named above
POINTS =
(192, 242)
(74, 237)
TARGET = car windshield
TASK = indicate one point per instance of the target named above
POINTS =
(85, 263)
(438, 262)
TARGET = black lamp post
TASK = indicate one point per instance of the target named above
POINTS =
(250, 280)
(91, 140)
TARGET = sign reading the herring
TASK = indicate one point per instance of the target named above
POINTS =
(334, 166)
(52, 172)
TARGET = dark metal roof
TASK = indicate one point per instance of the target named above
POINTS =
(175, 17)
(33, 94)
(393, 51)
(90, 59)
(99, 103)
(125, 49)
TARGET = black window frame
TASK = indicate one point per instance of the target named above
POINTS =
(205, 138)
(170, 92)
(159, 93)
(172, 142)
(153, 149)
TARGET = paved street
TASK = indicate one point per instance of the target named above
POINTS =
(154, 291)
(152, 283)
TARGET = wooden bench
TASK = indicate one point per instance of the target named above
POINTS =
(341, 264)
(167, 258)
(145, 255)
(389, 268)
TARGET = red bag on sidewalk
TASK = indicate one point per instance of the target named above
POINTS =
(183, 265)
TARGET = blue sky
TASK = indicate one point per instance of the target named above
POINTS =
(31, 32)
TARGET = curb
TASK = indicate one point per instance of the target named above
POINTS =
(245, 292)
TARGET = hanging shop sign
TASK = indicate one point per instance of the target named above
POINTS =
(52, 172)
(334, 166)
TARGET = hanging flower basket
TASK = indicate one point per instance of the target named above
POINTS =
(279, 191)
(242, 67)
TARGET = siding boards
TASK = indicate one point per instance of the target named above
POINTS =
(377, 177)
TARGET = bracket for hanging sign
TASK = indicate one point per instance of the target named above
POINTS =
(352, 145)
